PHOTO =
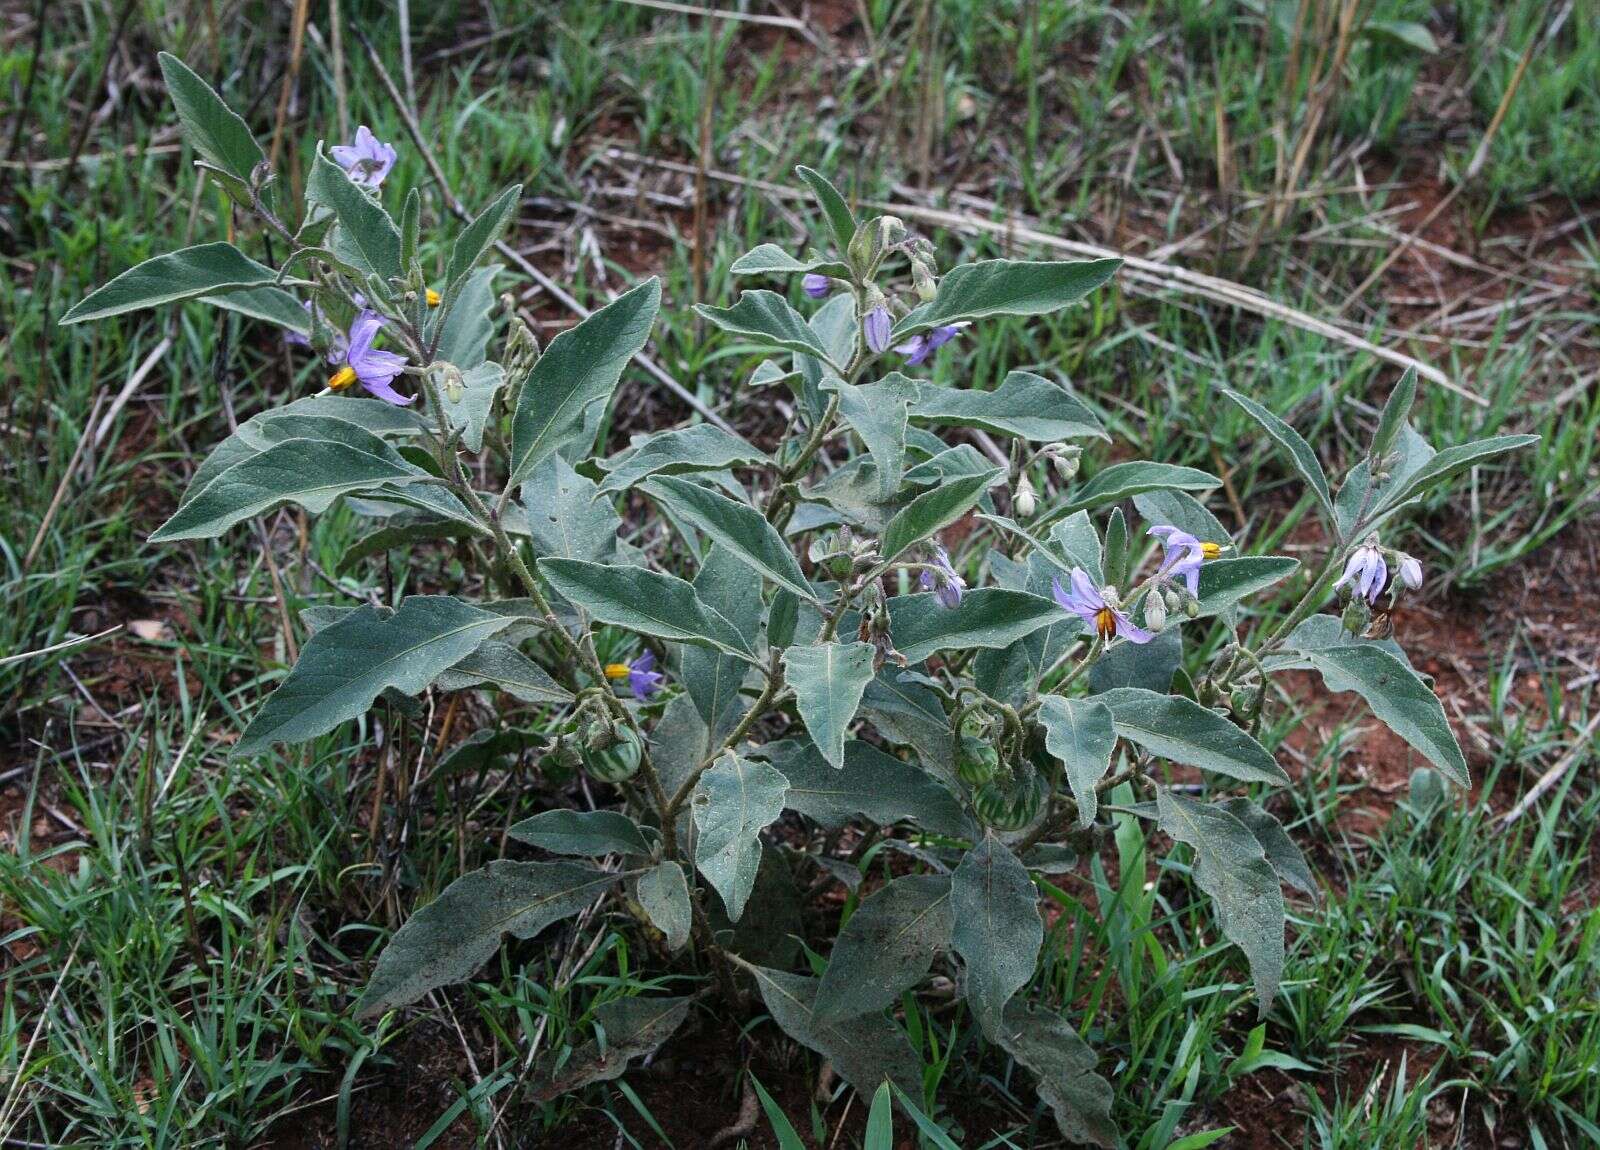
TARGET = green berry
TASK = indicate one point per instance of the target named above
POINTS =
(976, 760)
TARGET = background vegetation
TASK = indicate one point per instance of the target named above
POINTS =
(182, 936)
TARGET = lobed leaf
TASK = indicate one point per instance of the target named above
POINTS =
(736, 526)
(887, 947)
(664, 894)
(997, 930)
(1081, 735)
(767, 318)
(732, 802)
(828, 681)
(1294, 445)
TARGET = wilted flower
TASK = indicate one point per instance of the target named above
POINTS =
(1088, 603)
(1184, 554)
(920, 348)
(1366, 571)
(877, 327)
(815, 285)
(375, 370)
(367, 161)
(1410, 574)
(944, 581)
(643, 679)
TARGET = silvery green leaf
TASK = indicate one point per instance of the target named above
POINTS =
(1398, 697)
(911, 715)
(713, 679)
(679, 743)
(1396, 412)
(878, 412)
(475, 240)
(1449, 462)
(471, 410)
(1079, 733)
(1305, 461)
(770, 928)
(828, 680)
(213, 129)
(567, 519)
(1283, 856)
(1078, 543)
(1232, 868)
(634, 1028)
(987, 617)
(767, 319)
(887, 947)
(871, 784)
(486, 748)
(737, 526)
(1181, 510)
(1006, 287)
(348, 421)
(1224, 582)
(1024, 405)
(469, 323)
(664, 894)
(703, 447)
(457, 932)
(997, 928)
(310, 472)
(1316, 632)
(208, 269)
(504, 668)
(1044, 1043)
(1356, 498)
(850, 493)
(592, 833)
(958, 462)
(1180, 729)
(347, 664)
(841, 221)
(864, 1050)
(274, 305)
(1150, 665)
(1124, 480)
(364, 239)
(934, 510)
(578, 371)
(648, 602)
(772, 260)
(732, 802)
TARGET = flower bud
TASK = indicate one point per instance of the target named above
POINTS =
(1066, 462)
(1355, 617)
(1023, 502)
(1241, 701)
(923, 280)
(1172, 598)
(1410, 573)
(1155, 613)
(1191, 608)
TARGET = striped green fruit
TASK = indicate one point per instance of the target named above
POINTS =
(977, 761)
(617, 763)
(1009, 806)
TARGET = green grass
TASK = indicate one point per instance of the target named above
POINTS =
(186, 933)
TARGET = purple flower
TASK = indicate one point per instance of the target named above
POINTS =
(1184, 555)
(1087, 602)
(816, 285)
(367, 161)
(374, 370)
(1367, 572)
(643, 679)
(920, 348)
(877, 326)
(1410, 572)
(945, 582)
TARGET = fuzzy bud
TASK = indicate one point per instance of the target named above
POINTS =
(1155, 613)
(1066, 462)
(1172, 598)
(1024, 502)
(1355, 617)
(922, 278)
(1191, 609)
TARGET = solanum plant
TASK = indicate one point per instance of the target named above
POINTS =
(887, 628)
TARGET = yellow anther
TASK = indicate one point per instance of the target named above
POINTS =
(1210, 550)
(432, 298)
(1105, 623)
(342, 378)
(616, 670)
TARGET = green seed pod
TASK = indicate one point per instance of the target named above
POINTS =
(976, 760)
(1355, 617)
(616, 764)
(1009, 807)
